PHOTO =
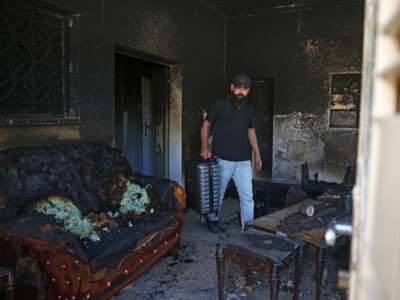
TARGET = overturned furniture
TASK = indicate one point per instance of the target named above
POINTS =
(76, 223)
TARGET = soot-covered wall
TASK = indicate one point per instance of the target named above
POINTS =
(189, 33)
(300, 50)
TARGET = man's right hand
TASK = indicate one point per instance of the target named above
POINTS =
(205, 154)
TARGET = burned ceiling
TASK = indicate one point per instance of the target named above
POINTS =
(241, 8)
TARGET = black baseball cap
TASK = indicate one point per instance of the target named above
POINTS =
(242, 79)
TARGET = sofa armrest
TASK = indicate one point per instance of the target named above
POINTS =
(168, 195)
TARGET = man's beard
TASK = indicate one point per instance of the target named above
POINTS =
(239, 100)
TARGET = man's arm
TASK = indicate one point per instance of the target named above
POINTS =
(254, 145)
(205, 128)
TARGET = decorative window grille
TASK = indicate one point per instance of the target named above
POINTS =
(33, 61)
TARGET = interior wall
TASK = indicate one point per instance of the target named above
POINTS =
(300, 49)
(186, 32)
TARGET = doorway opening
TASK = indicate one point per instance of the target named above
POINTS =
(141, 106)
(262, 92)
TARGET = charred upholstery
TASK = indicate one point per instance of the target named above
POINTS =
(94, 177)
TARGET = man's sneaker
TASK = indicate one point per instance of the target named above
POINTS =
(214, 227)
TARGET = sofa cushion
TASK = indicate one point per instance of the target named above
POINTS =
(121, 237)
(90, 174)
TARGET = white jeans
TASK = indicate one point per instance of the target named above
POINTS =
(241, 173)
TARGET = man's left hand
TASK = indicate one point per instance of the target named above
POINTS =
(258, 163)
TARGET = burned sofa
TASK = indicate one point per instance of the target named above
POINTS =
(77, 223)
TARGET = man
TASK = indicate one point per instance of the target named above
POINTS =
(233, 140)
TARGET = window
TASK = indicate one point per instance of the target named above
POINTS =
(345, 100)
(33, 61)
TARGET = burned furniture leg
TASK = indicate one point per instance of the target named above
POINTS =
(275, 281)
(7, 281)
(221, 271)
(174, 249)
(319, 270)
(297, 272)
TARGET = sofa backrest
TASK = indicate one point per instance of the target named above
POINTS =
(86, 173)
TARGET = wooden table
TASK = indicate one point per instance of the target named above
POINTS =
(261, 250)
(314, 236)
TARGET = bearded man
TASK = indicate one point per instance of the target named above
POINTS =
(234, 139)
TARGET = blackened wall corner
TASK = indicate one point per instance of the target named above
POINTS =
(300, 49)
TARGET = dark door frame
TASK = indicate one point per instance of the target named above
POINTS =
(270, 158)
(173, 117)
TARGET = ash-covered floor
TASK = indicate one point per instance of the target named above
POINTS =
(191, 273)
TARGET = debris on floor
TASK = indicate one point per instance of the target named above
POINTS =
(191, 272)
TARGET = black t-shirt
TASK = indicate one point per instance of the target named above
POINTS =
(230, 129)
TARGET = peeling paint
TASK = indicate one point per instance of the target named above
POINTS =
(297, 138)
(303, 137)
